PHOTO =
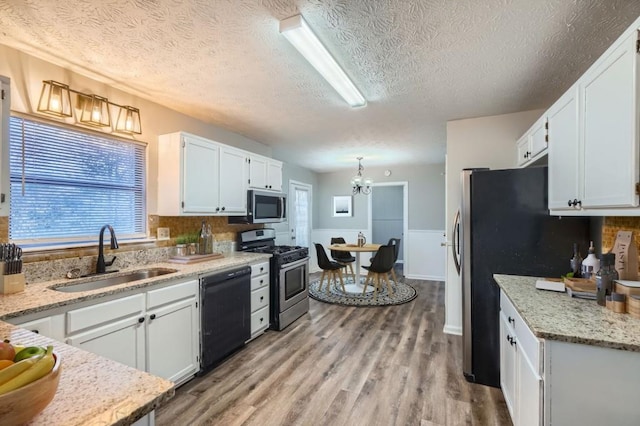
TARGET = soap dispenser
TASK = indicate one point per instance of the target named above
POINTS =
(591, 264)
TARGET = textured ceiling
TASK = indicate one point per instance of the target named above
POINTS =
(418, 63)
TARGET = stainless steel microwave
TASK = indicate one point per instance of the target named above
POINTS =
(263, 207)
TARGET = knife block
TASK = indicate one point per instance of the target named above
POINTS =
(12, 283)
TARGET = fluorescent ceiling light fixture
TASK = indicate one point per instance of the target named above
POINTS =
(297, 31)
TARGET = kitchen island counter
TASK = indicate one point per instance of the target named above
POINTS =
(92, 389)
(557, 316)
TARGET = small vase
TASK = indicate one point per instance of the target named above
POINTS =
(181, 250)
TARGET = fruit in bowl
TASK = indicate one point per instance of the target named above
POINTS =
(28, 385)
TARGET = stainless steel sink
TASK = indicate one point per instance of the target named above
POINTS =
(102, 282)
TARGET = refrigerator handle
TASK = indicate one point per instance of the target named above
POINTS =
(456, 241)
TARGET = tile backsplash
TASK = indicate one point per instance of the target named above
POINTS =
(224, 234)
(612, 224)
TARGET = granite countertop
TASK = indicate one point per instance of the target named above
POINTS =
(556, 316)
(124, 394)
(92, 389)
(39, 297)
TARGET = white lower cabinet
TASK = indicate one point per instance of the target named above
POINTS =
(259, 298)
(520, 367)
(173, 347)
(157, 331)
(51, 326)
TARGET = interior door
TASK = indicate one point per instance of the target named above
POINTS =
(300, 213)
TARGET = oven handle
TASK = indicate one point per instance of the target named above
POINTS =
(293, 265)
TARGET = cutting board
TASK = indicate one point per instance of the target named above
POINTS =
(194, 258)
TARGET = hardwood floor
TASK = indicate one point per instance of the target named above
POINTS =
(345, 366)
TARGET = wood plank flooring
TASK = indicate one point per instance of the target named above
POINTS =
(345, 366)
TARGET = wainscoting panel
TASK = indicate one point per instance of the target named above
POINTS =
(425, 256)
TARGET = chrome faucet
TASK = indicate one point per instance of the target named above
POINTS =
(102, 265)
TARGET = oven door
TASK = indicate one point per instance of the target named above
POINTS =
(294, 283)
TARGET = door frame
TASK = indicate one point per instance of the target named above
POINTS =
(309, 187)
(405, 216)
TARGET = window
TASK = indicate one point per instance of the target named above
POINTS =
(67, 183)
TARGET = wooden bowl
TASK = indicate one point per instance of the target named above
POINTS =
(23, 404)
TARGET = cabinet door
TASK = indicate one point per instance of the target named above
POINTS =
(52, 327)
(610, 96)
(539, 137)
(173, 346)
(274, 175)
(121, 341)
(523, 150)
(233, 181)
(564, 152)
(200, 188)
(258, 172)
(507, 364)
(529, 387)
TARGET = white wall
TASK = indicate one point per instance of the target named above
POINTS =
(476, 142)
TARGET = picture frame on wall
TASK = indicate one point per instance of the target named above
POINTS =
(342, 206)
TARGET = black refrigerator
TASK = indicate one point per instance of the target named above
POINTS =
(504, 227)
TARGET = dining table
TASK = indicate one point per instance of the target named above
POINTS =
(356, 286)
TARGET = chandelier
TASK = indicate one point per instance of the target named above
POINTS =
(360, 184)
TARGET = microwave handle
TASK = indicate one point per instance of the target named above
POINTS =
(283, 206)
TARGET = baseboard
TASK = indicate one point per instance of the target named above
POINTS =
(425, 277)
(452, 330)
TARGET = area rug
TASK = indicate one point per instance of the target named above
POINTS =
(402, 293)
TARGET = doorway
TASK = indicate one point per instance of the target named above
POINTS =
(300, 196)
(388, 214)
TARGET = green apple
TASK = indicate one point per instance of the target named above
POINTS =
(28, 352)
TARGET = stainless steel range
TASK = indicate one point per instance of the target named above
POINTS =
(289, 275)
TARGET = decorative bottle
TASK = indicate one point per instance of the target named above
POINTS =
(605, 278)
(576, 261)
(202, 240)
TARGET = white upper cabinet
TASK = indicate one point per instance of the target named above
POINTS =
(594, 136)
(533, 144)
(233, 181)
(564, 152)
(200, 159)
(610, 99)
(265, 173)
(197, 176)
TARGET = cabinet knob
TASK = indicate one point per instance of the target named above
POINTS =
(261, 319)
(35, 331)
(152, 316)
(217, 209)
(569, 203)
(511, 340)
(261, 281)
(223, 209)
(141, 320)
(511, 320)
(261, 298)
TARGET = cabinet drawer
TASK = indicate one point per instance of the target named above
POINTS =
(527, 341)
(260, 319)
(259, 282)
(91, 316)
(172, 294)
(260, 268)
(259, 298)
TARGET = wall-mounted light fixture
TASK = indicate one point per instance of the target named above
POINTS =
(297, 31)
(55, 99)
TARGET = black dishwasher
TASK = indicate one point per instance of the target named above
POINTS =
(225, 315)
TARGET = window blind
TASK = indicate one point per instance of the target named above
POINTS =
(66, 184)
